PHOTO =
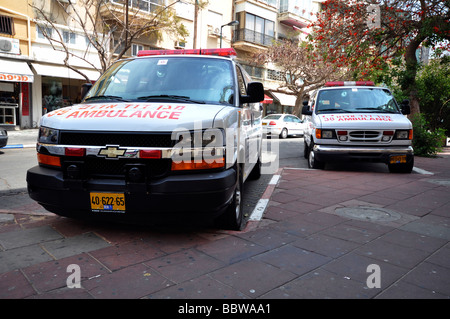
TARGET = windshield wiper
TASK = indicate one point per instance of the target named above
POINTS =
(171, 97)
(333, 110)
(376, 110)
(106, 97)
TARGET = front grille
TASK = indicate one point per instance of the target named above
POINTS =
(101, 167)
(114, 138)
(365, 136)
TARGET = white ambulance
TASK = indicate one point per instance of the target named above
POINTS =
(358, 121)
(166, 133)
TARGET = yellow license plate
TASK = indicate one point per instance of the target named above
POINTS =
(398, 159)
(108, 202)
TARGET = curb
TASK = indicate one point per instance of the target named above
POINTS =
(18, 146)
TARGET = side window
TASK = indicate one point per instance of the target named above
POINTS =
(241, 82)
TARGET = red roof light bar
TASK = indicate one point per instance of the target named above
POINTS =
(227, 52)
(350, 83)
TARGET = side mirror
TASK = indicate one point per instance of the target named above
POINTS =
(305, 109)
(85, 87)
(406, 108)
(255, 93)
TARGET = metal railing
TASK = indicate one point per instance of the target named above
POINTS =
(253, 37)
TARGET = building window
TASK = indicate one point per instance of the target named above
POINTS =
(275, 75)
(254, 71)
(6, 25)
(44, 32)
(69, 37)
(144, 5)
(135, 48)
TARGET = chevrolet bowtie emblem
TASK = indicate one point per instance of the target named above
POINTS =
(111, 152)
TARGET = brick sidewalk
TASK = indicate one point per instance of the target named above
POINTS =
(320, 232)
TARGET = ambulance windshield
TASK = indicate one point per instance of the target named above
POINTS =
(162, 78)
(356, 100)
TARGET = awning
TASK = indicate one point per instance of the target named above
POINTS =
(61, 71)
(15, 71)
(267, 100)
(285, 99)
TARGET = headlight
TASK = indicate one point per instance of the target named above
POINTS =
(325, 134)
(48, 135)
(404, 134)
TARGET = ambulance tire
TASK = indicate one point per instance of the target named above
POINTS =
(305, 150)
(256, 171)
(312, 161)
(402, 168)
(233, 218)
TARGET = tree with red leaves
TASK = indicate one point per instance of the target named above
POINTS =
(367, 35)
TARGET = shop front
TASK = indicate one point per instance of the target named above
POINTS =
(59, 86)
(281, 103)
(16, 78)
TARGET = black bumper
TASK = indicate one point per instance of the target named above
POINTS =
(206, 194)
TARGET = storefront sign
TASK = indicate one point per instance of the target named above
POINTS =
(16, 77)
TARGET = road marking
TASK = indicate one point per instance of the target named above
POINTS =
(259, 209)
(261, 205)
(274, 180)
(422, 171)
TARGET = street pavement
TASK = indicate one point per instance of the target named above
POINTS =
(338, 233)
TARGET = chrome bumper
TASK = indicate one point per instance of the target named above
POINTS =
(343, 150)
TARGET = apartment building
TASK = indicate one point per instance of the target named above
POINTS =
(16, 77)
(33, 77)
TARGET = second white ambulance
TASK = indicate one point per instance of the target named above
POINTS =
(358, 121)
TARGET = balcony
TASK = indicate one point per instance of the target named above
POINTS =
(293, 15)
(137, 9)
(250, 40)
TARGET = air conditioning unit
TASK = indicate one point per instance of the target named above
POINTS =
(8, 45)
(180, 45)
(214, 32)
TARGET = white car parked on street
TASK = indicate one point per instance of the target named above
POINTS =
(282, 125)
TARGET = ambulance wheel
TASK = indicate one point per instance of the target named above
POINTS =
(312, 161)
(233, 218)
(284, 133)
(402, 168)
(305, 150)
(256, 171)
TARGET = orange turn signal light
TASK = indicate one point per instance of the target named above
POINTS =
(49, 160)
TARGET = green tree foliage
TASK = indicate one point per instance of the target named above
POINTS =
(433, 89)
(426, 142)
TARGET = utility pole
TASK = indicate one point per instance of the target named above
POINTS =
(126, 23)
(195, 23)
